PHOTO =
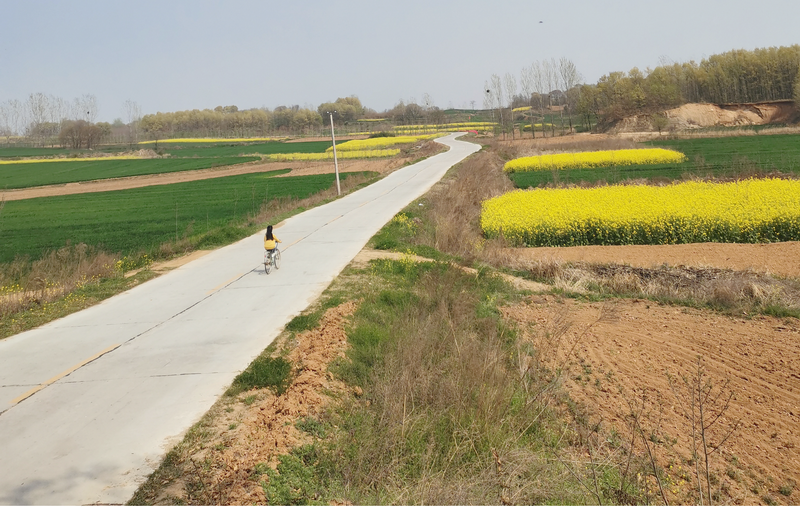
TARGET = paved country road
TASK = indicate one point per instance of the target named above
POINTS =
(89, 404)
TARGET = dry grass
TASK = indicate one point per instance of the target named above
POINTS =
(530, 147)
(736, 292)
(28, 284)
(452, 418)
(454, 207)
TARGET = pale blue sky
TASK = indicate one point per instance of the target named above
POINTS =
(171, 55)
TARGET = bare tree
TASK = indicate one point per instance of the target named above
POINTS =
(59, 110)
(427, 105)
(570, 78)
(133, 113)
(539, 84)
(89, 103)
(37, 109)
(5, 121)
(550, 73)
(526, 82)
(510, 83)
(84, 108)
(497, 95)
(488, 101)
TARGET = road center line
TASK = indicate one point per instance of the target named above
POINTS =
(62, 375)
(223, 284)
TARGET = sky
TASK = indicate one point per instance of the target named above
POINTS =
(173, 55)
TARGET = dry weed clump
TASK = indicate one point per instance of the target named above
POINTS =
(455, 205)
(453, 418)
(531, 147)
(25, 284)
(739, 292)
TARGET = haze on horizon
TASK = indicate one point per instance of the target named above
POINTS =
(201, 54)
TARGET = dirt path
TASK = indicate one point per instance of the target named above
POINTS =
(634, 348)
(298, 169)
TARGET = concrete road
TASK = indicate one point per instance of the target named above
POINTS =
(89, 404)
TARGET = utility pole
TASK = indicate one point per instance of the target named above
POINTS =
(335, 160)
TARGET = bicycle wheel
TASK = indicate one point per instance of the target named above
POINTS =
(276, 258)
(267, 262)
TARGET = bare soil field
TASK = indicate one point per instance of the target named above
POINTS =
(781, 259)
(625, 352)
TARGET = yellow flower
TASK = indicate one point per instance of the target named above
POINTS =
(594, 159)
(750, 211)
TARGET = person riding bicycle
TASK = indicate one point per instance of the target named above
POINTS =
(270, 240)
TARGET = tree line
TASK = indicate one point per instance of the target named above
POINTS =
(739, 76)
(48, 120)
(229, 121)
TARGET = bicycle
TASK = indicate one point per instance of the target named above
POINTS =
(272, 258)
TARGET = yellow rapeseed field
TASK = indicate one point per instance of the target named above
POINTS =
(378, 142)
(449, 127)
(328, 155)
(216, 140)
(748, 211)
(592, 159)
(80, 159)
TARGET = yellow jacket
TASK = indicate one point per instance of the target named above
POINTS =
(270, 244)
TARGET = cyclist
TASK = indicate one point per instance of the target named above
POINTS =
(270, 241)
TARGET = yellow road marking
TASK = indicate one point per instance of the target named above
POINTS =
(62, 375)
(223, 284)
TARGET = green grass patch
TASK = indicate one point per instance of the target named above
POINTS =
(54, 173)
(398, 233)
(132, 220)
(238, 149)
(304, 322)
(265, 372)
(312, 426)
(720, 157)
(297, 480)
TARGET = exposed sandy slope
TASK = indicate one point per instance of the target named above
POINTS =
(695, 116)
(709, 115)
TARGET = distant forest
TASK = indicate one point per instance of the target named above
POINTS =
(739, 76)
